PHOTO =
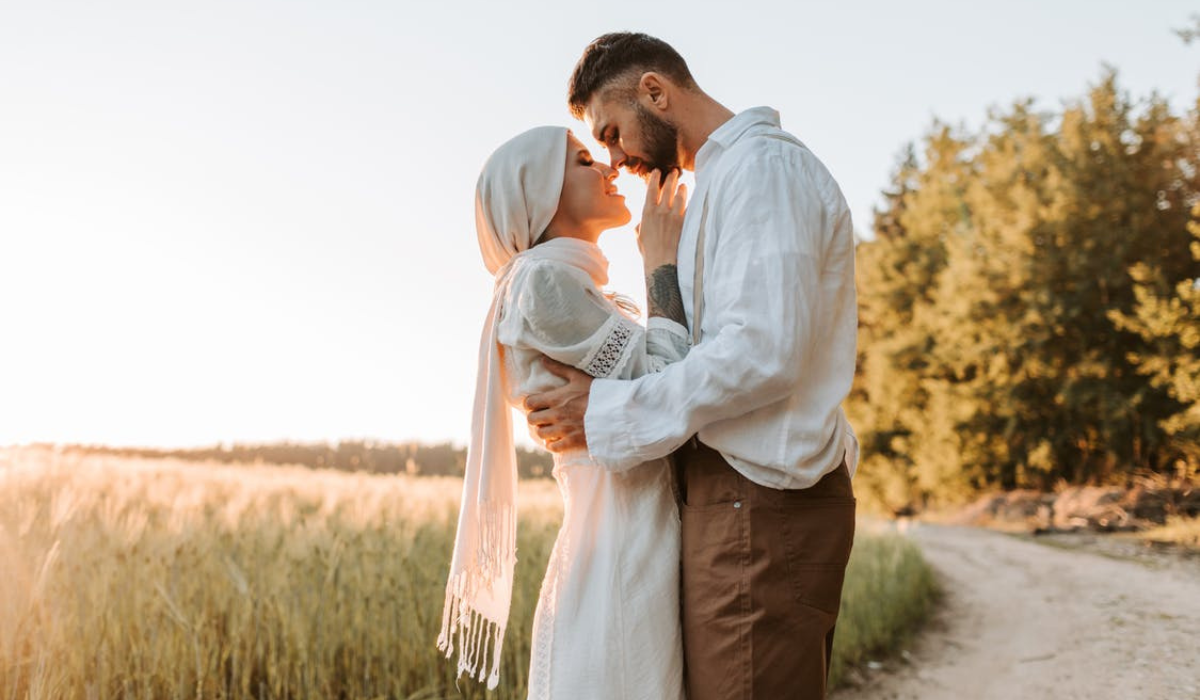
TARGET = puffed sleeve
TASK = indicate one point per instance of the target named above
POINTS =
(556, 310)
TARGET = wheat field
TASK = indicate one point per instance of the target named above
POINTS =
(162, 579)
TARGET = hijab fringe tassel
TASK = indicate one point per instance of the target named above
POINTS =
(475, 634)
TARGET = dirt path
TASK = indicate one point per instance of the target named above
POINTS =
(1035, 622)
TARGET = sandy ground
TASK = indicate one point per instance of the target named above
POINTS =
(1026, 620)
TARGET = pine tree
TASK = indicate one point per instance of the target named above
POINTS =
(1169, 321)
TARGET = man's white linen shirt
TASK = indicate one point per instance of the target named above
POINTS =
(776, 355)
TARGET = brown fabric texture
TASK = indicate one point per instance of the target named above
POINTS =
(762, 574)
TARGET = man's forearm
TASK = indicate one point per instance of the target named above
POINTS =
(663, 296)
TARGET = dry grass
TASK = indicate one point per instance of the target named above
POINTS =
(1178, 530)
(889, 591)
(160, 579)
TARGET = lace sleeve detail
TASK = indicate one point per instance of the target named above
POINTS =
(614, 352)
(558, 312)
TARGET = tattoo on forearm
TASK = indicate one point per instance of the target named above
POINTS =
(662, 293)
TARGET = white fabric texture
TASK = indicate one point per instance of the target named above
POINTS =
(515, 199)
(607, 621)
(765, 383)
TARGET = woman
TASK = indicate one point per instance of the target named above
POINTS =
(607, 621)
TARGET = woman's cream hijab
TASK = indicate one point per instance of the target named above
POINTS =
(515, 199)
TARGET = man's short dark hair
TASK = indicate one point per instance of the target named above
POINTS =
(617, 55)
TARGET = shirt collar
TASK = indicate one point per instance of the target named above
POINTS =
(733, 130)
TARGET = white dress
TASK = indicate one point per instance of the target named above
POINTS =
(607, 622)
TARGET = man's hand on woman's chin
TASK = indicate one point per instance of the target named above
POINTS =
(556, 416)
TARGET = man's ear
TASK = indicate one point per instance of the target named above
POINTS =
(654, 91)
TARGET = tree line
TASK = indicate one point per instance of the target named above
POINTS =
(1030, 303)
(442, 459)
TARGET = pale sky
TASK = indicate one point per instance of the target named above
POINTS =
(252, 221)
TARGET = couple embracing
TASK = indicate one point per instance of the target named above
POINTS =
(703, 458)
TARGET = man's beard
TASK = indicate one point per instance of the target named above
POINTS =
(661, 141)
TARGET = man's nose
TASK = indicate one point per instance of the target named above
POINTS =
(616, 157)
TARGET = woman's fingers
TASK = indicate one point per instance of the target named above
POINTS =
(662, 217)
(661, 192)
(668, 198)
(653, 189)
(680, 202)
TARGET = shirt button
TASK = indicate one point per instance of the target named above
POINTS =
(737, 504)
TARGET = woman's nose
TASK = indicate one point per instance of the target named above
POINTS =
(610, 173)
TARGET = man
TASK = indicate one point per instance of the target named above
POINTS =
(753, 413)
